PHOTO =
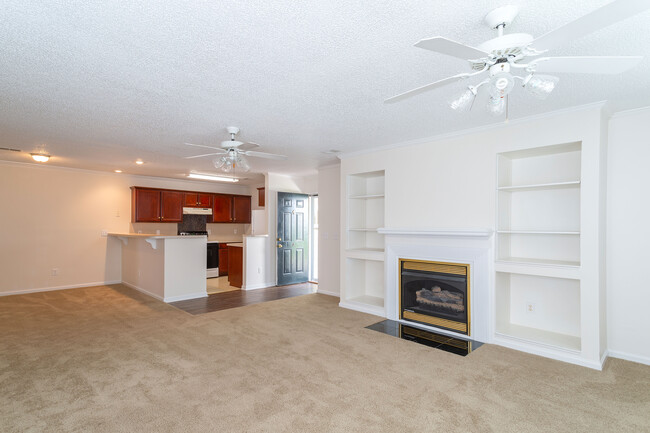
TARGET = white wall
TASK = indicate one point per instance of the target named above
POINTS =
(329, 206)
(53, 217)
(628, 235)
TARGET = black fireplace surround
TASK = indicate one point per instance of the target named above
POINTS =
(435, 294)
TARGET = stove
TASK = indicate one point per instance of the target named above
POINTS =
(193, 233)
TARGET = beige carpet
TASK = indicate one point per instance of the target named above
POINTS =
(109, 359)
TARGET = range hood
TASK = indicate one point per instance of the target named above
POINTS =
(197, 211)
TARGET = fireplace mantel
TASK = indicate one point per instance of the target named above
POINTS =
(470, 233)
(469, 246)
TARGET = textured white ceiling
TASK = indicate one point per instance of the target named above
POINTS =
(100, 84)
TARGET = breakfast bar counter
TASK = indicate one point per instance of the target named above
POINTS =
(169, 268)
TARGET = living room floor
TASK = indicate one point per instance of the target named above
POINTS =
(110, 359)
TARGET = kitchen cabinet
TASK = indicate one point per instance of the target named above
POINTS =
(155, 205)
(221, 208)
(241, 208)
(150, 205)
(235, 266)
(228, 208)
(145, 205)
(171, 206)
(261, 197)
(197, 199)
(223, 259)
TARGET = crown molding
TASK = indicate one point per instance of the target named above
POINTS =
(631, 112)
(492, 126)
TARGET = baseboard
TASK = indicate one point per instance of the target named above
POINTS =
(50, 289)
(196, 295)
(258, 286)
(141, 290)
(629, 357)
(325, 292)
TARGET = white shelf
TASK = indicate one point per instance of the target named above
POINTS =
(362, 230)
(536, 232)
(539, 336)
(540, 186)
(544, 262)
(366, 253)
(366, 197)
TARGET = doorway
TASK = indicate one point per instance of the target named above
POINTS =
(292, 241)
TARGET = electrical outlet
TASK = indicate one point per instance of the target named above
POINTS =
(235, 231)
(104, 233)
(209, 232)
(117, 214)
(55, 272)
(259, 270)
(530, 307)
(157, 232)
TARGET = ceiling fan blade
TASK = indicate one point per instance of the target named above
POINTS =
(609, 14)
(205, 154)
(203, 145)
(248, 146)
(451, 48)
(586, 65)
(263, 155)
(426, 88)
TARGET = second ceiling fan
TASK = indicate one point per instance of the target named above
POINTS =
(502, 56)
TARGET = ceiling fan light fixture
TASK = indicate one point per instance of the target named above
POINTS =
(465, 101)
(501, 84)
(540, 86)
(496, 106)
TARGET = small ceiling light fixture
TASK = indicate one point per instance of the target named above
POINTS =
(139, 161)
(211, 177)
(118, 171)
(540, 86)
(465, 101)
(40, 157)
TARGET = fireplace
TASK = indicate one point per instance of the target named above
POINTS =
(435, 293)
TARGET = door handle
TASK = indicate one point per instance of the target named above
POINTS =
(279, 239)
(279, 245)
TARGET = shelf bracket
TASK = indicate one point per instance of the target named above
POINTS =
(124, 239)
(153, 242)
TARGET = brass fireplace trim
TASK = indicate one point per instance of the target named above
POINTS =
(436, 321)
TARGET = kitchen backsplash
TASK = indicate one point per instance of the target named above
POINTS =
(192, 223)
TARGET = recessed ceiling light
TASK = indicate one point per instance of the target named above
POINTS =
(139, 162)
(210, 177)
(40, 157)
(118, 171)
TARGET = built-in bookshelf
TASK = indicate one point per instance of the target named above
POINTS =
(363, 263)
(538, 256)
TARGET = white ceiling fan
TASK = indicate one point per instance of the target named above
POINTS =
(502, 57)
(230, 154)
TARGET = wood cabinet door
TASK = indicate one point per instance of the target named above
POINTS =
(145, 206)
(242, 209)
(204, 200)
(223, 259)
(221, 208)
(190, 199)
(261, 197)
(171, 207)
(235, 266)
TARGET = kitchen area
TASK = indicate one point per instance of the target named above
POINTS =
(188, 244)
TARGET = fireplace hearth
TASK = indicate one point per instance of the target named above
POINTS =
(435, 293)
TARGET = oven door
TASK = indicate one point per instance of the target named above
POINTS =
(213, 260)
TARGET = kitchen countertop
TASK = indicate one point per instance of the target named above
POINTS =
(236, 244)
(222, 241)
(153, 236)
